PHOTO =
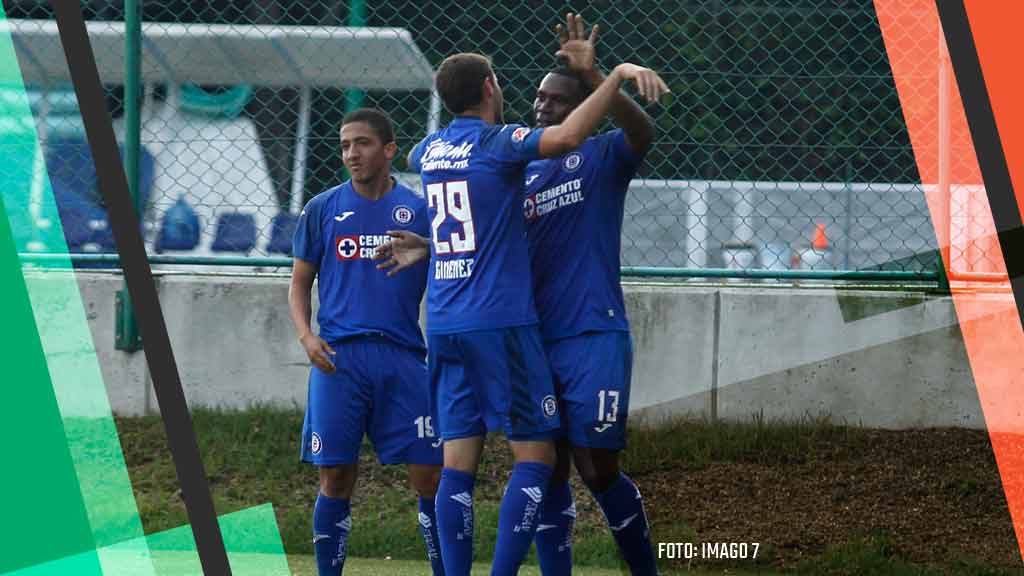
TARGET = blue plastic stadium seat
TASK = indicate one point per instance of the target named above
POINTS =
(236, 232)
(69, 162)
(73, 180)
(179, 229)
(76, 212)
(76, 191)
(281, 231)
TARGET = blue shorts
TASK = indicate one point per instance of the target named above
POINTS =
(378, 388)
(492, 380)
(592, 378)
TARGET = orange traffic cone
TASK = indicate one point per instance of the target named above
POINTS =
(817, 255)
(820, 242)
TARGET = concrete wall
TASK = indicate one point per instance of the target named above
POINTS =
(871, 358)
(888, 359)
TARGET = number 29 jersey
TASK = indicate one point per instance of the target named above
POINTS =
(479, 276)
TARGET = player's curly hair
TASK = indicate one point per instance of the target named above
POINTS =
(460, 81)
(583, 89)
(377, 119)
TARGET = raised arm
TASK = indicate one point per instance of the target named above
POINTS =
(585, 119)
(636, 124)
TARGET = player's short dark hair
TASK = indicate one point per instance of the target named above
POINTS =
(378, 121)
(460, 81)
(582, 89)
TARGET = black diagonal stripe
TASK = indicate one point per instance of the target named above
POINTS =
(987, 145)
(125, 226)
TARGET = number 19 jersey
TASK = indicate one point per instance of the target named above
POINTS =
(479, 276)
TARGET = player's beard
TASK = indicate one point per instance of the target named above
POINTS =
(367, 177)
(367, 174)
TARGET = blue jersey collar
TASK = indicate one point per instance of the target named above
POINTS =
(467, 120)
(348, 188)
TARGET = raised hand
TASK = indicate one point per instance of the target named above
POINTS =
(574, 46)
(648, 83)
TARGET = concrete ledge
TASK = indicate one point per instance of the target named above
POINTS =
(887, 359)
(233, 341)
(881, 359)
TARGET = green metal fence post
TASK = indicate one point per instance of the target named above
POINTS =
(941, 277)
(357, 19)
(126, 335)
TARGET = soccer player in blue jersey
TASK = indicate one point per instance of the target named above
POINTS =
(485, 353)
(574, 209)
(369, 374)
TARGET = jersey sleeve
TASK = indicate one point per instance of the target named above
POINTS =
(306, 243)
(513, 143)
(416, 155)
(625, 159)
(422, 226)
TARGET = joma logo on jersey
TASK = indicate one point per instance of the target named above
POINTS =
(358, 246)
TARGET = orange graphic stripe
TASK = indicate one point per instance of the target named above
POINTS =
(959, 207)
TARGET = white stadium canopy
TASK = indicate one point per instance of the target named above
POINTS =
(304, 57)
(224, 54)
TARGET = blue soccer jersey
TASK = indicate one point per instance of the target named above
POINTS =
(339, 231)
(574, 207)
(479, 276)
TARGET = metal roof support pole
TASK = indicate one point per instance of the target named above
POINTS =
(126, 334)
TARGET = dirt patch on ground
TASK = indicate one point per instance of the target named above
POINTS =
(934, 494)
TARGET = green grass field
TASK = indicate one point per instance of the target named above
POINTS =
(251, 458)
(859, 560)
(304, 566)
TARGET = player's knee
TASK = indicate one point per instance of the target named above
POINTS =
(534, 451)
(338, 481)
(463, 454)
(598, 469)
(424, 479)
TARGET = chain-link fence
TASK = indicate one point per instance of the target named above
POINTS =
(782, 145)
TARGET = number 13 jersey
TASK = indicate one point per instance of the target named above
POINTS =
(479, 275)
